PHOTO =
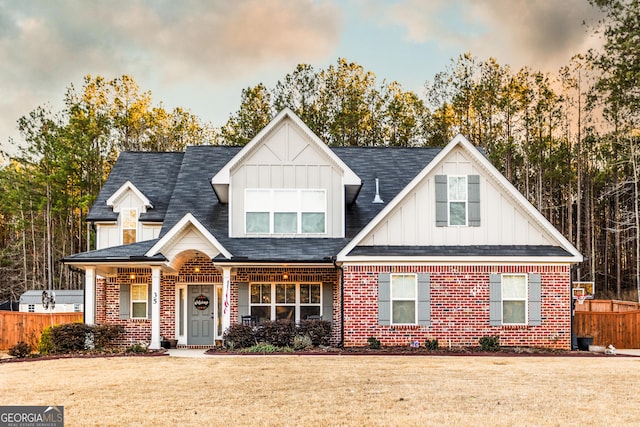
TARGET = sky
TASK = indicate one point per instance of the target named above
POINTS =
(200, 54)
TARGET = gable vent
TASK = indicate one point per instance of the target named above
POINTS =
(377, 199)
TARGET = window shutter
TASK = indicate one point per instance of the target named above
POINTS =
(384, 298)
(424, 299)
(441, 200)
(473, 198)
(327, 301)
(535, 299)
(149, 296)
(125, 291)
(243, 300)
(495, 300)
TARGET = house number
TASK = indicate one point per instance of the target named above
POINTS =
(201, 302)
(155, 297)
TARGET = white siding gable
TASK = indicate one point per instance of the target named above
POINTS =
(287, 159)
(189, 239)
(503, 220)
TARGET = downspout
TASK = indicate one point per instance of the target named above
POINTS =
(338, 267)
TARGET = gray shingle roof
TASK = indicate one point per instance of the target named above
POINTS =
(180, 183)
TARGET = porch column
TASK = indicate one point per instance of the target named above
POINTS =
(155, 308)
(90, 295)
(226, 298)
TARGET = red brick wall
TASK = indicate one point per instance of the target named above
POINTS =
(459, 307)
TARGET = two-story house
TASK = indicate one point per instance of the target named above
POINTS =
(402, 244)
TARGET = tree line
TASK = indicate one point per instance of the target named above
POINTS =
(569, 141)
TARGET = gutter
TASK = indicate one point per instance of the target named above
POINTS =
(338, 267)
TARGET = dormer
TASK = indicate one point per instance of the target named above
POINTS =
(286, 183)
(129, 203)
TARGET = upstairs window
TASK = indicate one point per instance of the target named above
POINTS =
(457, 200)
(285, 211)
(129, 220)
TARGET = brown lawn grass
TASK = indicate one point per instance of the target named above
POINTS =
(330, 390)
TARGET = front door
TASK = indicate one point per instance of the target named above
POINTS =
(200, 309)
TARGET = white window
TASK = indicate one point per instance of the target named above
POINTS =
(129, 221)
(404, 297)
(292, 301)
(31, 308)
(285, 211)
(76, 308)
(457, 200)
(514, 299)
(138, 301)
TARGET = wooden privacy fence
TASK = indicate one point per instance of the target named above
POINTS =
(17, 326)
(621, 327)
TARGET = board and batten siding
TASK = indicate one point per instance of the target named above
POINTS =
(288, 159)
(502, 220)
(190, 240)
(107, 235)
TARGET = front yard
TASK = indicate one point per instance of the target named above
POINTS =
(330, 390)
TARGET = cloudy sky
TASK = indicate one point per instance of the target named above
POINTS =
(199, 54)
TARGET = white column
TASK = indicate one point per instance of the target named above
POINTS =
(155, 308)
(90, 295)
(226, 298)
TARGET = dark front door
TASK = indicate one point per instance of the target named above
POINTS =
(200, 321)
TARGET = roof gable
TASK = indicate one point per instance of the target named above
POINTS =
(409, 220)
(124, 188)
(192, 232)
(291, 151)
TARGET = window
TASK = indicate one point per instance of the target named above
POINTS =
(285, 211)
(514, 299)
(403, 298)
(457, 197)
(138, 301)
(31, 308)
(292, 301)
(129, 219)
(76, 307)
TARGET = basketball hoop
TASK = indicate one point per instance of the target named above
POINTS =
(581, 298)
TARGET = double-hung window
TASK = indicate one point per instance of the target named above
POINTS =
(138, 301)
(457, 199)
(129, 221)
(291, 301)
(514, 299)
(285, 211)
(404, 297)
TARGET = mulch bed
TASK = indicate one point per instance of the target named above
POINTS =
(405, 351)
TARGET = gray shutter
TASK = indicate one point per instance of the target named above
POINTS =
(473, 198)
(441, 201)
(149, 296)
(243, 300)
(384, 298)
(424, 299)
(495, 300)
(125, 291)
(327, 301)
(535, 299)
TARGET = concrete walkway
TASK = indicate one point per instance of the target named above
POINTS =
(187, 352)
(628, 352)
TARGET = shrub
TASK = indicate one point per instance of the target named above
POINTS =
(262, 348)
(302, 342)
(431, 344)
(318, 330)
(105, 336)
(21, 349)
(239, 336)
(45, 345)
(279, 333)
(137, 348)
(374, 343)
(70, 337)
(490, 343)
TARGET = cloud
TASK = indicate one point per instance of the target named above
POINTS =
(44, 45)
(537, 33)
